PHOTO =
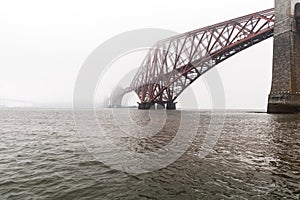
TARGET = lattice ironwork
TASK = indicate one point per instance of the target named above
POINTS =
(176, 62)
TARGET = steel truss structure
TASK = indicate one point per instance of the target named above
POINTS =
(176, 62)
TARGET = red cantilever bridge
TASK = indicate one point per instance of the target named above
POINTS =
(176, 62)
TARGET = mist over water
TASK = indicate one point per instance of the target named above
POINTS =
(256, 157)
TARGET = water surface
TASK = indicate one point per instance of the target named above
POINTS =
(256, 157)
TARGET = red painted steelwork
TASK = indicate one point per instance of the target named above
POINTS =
(176, 62)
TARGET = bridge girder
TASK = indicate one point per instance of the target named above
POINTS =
(176, 62)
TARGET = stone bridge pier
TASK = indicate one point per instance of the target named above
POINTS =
(285, 91)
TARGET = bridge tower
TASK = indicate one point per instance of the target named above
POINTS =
(285, 91)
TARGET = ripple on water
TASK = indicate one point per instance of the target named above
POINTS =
(257, 157)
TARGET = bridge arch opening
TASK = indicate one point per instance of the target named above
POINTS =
(129, 99)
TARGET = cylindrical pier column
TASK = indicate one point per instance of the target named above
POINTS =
(146, 106)
(171, 106)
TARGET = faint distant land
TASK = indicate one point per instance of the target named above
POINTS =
(9, 103)
(16, 103)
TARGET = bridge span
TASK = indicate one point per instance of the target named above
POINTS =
(176, 62)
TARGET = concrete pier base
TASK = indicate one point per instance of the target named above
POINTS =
(146, 106)
(159, 106)
(284, 103)
(283, 108)
(171, 106)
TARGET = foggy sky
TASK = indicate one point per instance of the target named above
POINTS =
(44, 44)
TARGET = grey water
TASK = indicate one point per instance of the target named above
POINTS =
(256, 156)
